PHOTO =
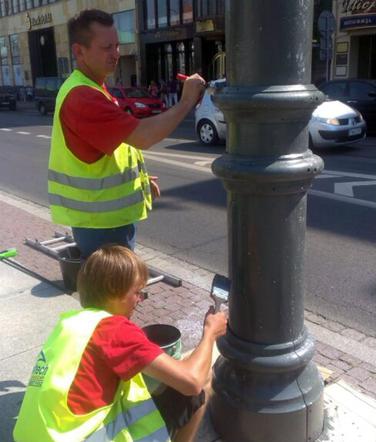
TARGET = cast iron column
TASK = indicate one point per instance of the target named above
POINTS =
(266, 387)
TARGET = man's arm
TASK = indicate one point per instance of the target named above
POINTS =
(189, 376)
(152, 130)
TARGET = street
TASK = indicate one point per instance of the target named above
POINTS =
(189, 221)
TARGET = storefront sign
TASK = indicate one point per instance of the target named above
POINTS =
(42, 19)
(360, 21)
(358, 6)
(204, 26)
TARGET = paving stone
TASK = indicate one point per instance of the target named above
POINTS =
(359, 373)
(328, 351)
(353, 334)
(321, 360)
(352, 360)
(342, 365)
(334, 326)
(316, 319)
(370, 385)
(370, 342)
(369, 367)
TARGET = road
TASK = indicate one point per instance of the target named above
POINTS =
(189, 221)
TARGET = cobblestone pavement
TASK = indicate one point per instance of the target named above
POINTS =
(345, 353)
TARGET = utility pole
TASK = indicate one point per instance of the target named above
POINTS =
(266, 386)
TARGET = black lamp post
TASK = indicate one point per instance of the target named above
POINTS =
(266, 387)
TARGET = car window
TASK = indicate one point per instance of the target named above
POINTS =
(361, 91)
(334, 90)
(116, 92)
(137, 93)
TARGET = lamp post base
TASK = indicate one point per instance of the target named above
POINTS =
(267, 394)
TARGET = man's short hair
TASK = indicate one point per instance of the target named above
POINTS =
(79, 27)
(110, 272)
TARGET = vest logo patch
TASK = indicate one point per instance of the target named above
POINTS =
(39, 371)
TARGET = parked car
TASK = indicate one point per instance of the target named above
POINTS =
(8, 98)
(332, 124)
(137, 101)
(45, 92)
(357, 93)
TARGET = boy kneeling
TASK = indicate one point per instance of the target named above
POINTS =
(87, 383)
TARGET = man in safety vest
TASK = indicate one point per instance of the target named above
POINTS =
(87, 383)
(97, 182)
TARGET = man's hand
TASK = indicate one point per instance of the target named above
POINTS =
(193, 89)
(155, 190)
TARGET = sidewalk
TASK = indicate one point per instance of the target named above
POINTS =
(30, 308)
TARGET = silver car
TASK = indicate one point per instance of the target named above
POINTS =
(332, 124)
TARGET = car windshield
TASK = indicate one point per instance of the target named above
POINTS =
(136, 93)
(116, 92)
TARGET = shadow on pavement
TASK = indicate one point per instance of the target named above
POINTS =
(10, 403)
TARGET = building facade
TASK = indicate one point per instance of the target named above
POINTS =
(34, 39)
(183, 36)
(355, 39)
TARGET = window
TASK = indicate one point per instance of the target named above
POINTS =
(3, 51)
(150, 14)
(335, 90)
(124, 23)
(162, 13)
(174, 12)
(181, 58)
(15, 49)
(362, 91)
(187, 11)
(14, 5)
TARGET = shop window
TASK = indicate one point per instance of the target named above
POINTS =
(187, 11)
(124, 23)
(168, 61)
(174, 12)
(29, 4)
(22, 5)
(150, 14)
(181, 58)
(162, 13)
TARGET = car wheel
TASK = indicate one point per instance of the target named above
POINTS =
(42, 109)
(207, 133)
(310, 142)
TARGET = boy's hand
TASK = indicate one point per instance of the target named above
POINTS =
(193, 88)
(215, 323)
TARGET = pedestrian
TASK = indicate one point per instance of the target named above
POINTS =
(163, 92)
(87, 383)
(153, 89)
(97, 180)
(172, 88)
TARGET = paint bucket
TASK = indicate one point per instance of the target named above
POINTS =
(168, 338)
(70, 264)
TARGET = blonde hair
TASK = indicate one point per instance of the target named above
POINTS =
(110, 272)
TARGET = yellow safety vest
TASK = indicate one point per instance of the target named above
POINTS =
(44, 414)
(111, 192)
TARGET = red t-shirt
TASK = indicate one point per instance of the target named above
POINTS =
(92, 124)
(118, 349)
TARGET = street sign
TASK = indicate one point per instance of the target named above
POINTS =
(326, 23)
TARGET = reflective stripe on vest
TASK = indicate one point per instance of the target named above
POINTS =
(94, 183)
(125, 421)
(96, 206)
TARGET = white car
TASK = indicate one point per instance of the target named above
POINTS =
(332, 124)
